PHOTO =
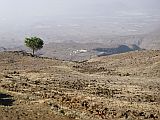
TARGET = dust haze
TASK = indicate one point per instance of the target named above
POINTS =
(76, 20)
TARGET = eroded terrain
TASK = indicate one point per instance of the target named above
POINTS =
(119, 87)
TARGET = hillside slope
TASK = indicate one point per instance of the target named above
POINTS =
(118, 87)
(139, 63)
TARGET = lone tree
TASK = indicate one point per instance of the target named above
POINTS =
(34, 43)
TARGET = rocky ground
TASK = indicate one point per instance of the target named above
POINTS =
(117, 87)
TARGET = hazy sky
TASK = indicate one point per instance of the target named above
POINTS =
(20, 17)
(27, 9)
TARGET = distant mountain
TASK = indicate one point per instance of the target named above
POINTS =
(116, 50)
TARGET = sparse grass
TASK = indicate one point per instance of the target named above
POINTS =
(104, 88)
(3, 91)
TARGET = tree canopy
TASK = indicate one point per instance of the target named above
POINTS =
(34, 43)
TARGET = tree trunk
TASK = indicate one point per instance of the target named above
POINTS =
(33, 52)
